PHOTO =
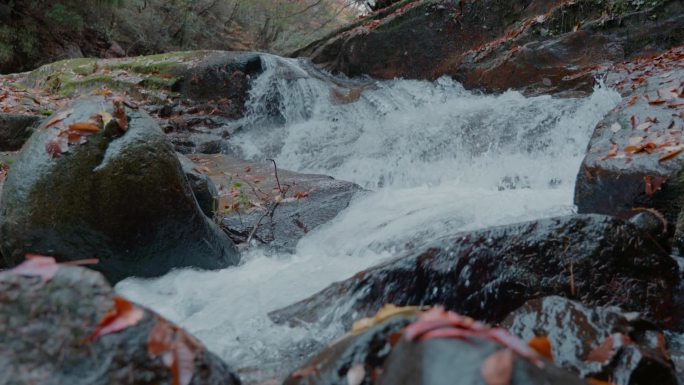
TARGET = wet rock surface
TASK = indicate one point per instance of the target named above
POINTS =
(532, 45)
(486, 274)
(634, 158)
(15, 129)
(579, 338)
(45, 329)
(121, 198)
(385, 354)
(249, 191)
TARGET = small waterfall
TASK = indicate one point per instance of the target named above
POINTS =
(439, 159)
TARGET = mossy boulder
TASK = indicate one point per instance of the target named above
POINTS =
(121, 198)
(15, 129)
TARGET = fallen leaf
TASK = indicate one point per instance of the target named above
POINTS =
(106, 118)
(670, 155)
(635, 121)
(124, 315)
(37, 266)
(84, 127)
(541, 345)
(594, 381)
(120, 114)
(301, 195)
(57, 145)
(497, 369)
(605, 352)
(58, 118)
(356, 374)
(386, 312)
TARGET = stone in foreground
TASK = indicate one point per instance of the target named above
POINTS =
(486, 274)
(46, 330)
(118, 197)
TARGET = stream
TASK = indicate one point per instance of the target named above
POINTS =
(438, 159)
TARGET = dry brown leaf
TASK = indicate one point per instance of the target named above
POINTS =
(670, 155)
(85, 127)
(58, 118)
(605, 352)
(497, 369)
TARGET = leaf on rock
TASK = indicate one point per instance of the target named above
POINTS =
(605, 352)
(57, 146)
(84, 128)
(58, 118)
(670, 155)
(653, 184)
(124, 315)
(594, 381)
(120, 113)
(497, 369)
(37, 266)
(386, 312)
(176, 348)
(541, 345)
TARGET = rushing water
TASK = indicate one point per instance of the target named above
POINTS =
(439, 159)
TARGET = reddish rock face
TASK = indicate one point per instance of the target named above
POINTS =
(634, 158)
(532, 45)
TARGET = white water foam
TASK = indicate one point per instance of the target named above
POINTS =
(440, 160)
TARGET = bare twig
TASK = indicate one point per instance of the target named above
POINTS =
(275, 166)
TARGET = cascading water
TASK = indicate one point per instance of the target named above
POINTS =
(438, 158)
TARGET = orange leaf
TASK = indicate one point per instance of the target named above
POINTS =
(497, 369)
(541, 345)
(301, 194)
(670, 155)
(37, 266)
(84, 127)
(124, 315)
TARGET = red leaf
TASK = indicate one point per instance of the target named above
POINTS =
(541, 345)
(120, 113)
(57, 145)
(497, 369)
(635, 121)
(124, 315)
(37, 266)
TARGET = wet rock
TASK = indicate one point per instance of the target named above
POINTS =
(16, 129)
(534, 45)
(577, 332)
(248, 191)
(222, 76)
(121, 198)
(381, 355)
(202, 186)
(44, 330)
(634, 157)
(487, 274)
(370, 349)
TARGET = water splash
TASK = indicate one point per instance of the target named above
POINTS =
(440, 159)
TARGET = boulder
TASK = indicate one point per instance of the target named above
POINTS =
(538, 46)
(385, 355)
(47, 336)
(578, 337)
(203, 188)
(486, 274)
(634, 160)
(248, 193)
(15, 129)
(119, 197)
